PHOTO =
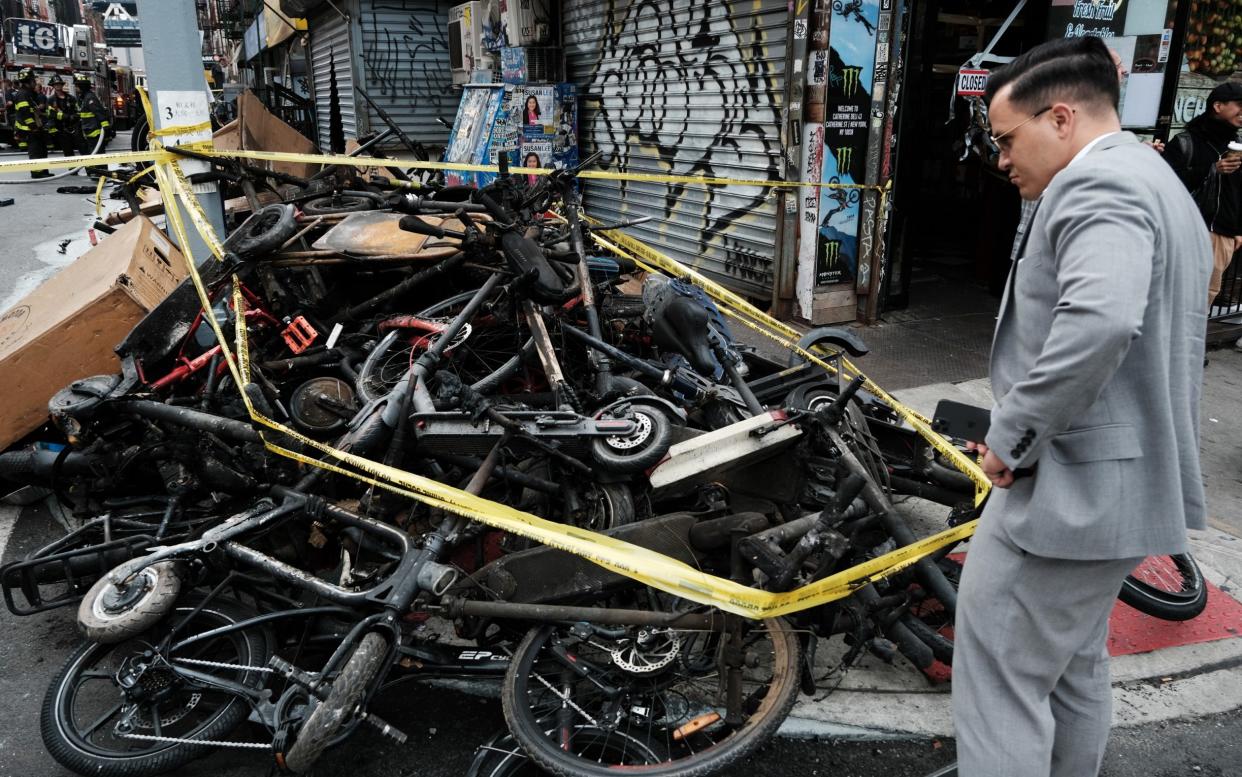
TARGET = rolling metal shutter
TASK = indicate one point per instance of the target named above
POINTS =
(330, 50)
(404, 65)
(689, 87)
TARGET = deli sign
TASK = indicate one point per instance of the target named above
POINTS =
(971, 83)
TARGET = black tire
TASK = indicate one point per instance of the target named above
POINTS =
(1166, 587)
(345, 202)
(101, 752)
(108, 615)
(811, 396)
(678, 697)
(608, 505)
(639, 451)
(502, 756)
(329, 715)
(264, 232)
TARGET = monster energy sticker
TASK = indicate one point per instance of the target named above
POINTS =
(851, 82)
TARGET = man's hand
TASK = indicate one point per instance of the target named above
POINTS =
(1228, 164)
(992, 466)
(1158, 145)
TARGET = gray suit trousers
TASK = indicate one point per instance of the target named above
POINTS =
(1031, 689)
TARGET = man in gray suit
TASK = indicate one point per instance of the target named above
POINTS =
(1093, 449)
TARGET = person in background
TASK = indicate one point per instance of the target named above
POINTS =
(92, 116)
(1201, 158)
(28, 127)
(62, 114)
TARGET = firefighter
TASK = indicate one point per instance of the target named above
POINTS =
(28, 122)
(93, 117)
(62, 114)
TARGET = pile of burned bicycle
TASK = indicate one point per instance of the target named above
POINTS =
(234, 593)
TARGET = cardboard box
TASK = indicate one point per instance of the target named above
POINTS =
(67, 328)
(258, 129)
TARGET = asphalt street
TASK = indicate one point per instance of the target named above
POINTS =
(446, 724)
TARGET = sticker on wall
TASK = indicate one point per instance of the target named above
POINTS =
(851, 80)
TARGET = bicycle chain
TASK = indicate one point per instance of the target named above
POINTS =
(565, 698)
(211, 742)
(221, 665)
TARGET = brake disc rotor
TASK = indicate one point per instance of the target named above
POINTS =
(650, 651)
(634, 439)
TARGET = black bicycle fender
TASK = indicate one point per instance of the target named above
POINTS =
(842, 338)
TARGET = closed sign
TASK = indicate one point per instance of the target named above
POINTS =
(971, 82)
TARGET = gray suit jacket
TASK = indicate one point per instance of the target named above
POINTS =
(1097, 363)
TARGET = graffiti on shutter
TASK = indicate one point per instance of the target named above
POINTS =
(689, 89)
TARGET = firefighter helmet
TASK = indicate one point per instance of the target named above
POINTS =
(25, 74)
(83, 80)
(56, 80)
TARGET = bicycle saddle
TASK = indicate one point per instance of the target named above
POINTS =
(680, 325)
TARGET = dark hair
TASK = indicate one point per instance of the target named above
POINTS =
(528, 155)
(530, 97)
(1066, 69)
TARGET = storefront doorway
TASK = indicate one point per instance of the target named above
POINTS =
(954, 217)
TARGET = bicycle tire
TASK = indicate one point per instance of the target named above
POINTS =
(1161, 602)
(78, 754)
(348, 690)
(475, 361)
(771, 704)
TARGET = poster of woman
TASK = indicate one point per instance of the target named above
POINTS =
(536, 154)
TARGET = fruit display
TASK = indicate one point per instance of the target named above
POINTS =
(1214, 37)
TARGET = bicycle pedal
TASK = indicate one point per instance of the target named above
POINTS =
(387, 730)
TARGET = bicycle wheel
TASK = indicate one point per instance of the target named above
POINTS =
(92, 724)
(1167, 587)
(647, 700)
(329, 715)
(488, 347)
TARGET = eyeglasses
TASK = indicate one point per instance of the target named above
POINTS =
(998, 138)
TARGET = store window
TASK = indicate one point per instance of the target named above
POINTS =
(1213, 43)
(1140, 31)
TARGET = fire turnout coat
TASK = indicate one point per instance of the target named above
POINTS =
(93, 115)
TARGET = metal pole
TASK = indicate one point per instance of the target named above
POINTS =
(172, 49)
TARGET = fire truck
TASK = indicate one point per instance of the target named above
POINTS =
(49, 49)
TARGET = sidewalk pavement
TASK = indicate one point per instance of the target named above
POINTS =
(874, 700)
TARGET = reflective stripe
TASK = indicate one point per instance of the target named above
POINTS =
(22, 104)
(23, 127)
(92, 134)
(105, 123)
(86, 115)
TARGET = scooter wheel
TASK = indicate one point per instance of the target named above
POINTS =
(109, 614)
(641, 449)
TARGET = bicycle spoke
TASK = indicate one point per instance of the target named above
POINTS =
(92, 728)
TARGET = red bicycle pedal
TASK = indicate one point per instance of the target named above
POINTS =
(299, 334)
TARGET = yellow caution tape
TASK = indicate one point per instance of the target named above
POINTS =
(99, 196)
(405, 162)
(181, 129)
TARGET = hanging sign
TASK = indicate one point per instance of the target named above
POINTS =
(971, 82)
